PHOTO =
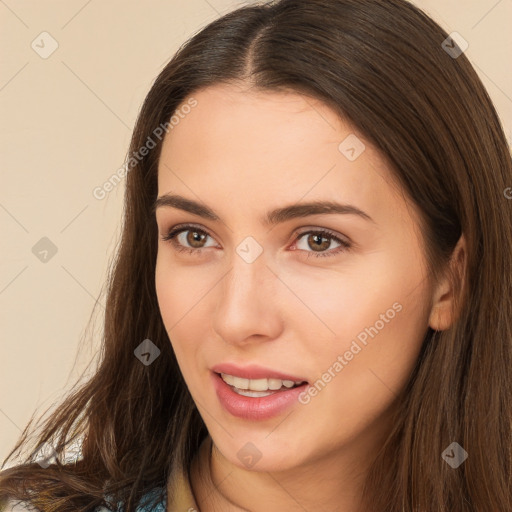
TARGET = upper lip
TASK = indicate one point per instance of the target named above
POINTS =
(254, 372)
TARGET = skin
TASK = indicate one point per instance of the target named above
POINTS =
(244, 153)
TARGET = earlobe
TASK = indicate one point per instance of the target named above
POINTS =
(443, 313)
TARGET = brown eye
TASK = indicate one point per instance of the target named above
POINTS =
(320, 241)
(195, 238)
(187, 238)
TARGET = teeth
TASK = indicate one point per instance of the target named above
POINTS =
(257, 384)
(252, 394)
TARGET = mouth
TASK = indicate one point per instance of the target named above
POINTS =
(256, 388)
(238, 397)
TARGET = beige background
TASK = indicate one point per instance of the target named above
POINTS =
(66, 125)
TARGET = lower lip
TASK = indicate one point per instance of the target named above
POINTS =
(257, 408)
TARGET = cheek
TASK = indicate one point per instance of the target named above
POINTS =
(178, 290)
(182, 296)
(165, 292)
(380, 318)
(331, 307)
(359, 374)
(375, 312)
(173, 299)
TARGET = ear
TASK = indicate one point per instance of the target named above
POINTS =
(443, 312)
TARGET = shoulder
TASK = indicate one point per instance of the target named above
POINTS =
(153, 501)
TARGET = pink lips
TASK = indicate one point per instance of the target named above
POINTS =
(254, 372)
(254, 408)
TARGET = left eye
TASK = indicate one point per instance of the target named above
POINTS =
(316, 239)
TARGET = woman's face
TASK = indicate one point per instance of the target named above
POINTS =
(254, 290)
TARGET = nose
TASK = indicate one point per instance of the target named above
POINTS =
(247, 303)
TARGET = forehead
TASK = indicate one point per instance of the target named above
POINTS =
(254, 146)
(244, 120)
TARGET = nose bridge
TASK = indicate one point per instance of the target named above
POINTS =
(248, 277)
(246, 304)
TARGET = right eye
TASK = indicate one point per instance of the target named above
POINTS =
(195, 236)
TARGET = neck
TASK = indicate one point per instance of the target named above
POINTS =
(218, 485)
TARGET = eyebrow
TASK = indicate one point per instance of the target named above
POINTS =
(272, 217)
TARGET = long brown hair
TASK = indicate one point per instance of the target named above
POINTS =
(383, 66)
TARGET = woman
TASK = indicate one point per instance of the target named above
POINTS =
(311, 307)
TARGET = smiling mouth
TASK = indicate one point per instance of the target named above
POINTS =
(258, 387)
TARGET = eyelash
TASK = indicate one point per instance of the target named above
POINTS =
(344, 245)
